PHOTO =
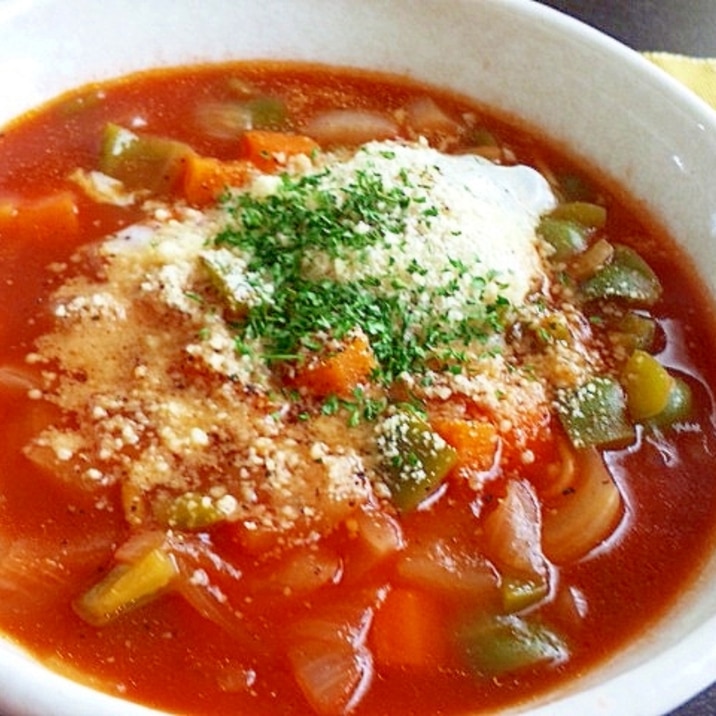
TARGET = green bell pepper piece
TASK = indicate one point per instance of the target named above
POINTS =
(415, 459)
(595, 414)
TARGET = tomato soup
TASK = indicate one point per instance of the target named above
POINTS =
(328, 392)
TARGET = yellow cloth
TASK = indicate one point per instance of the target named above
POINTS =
(696, 73)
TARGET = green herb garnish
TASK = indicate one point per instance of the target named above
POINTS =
(281, 236)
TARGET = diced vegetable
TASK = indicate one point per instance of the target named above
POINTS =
(569, 226)
(486, 144)
(269, 151)
(193, 510)
(329, 658)
(228, 274)
(60, 461)
(408, 630)
(153, 164)
(211, 604)
(585, 513)
(127, 586)
(224, 120)
(518, 593)
(380, 532)
(415, 458)
(139, 544)
(102, 188)
(228, 119)
(338, 372)
(512, 533)
(206, 178)
(304, 570)
(678, 406)
(209, 584)
(350, 127)
(595, 413)
(49, 218)
(453, 571)
(633, 331)
(584, 213)
(424, 116)
(551, 326)
(35, 571)
(571, 605)
(377, 536)
(558, 473)
(267, 112)
(18, 379)
(574, 187)
(627, 277)
(482, 137)
(476, 443)
(504, 644)
(655, 397)
(566, 237)
(331, 674)
(586, 264)
(648, 385)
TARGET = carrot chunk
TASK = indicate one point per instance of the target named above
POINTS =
(338, 373)
(475, 442)
(407, 630)
(46, 218)
(268, 151)
(205, 178)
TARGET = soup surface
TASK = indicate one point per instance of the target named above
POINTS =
(325, 392)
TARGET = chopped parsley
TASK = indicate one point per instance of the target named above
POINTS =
(281, 237)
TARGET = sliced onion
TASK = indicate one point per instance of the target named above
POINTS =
(18, 379)
(584, 514)
(443, 566)
(304, 570)
(224, 120)
(513, 531)
(138, 545)
(350, 127)
(424, 116)
(198, 582)
(36, 571)
(211, 603)
(342, 621)
(235, 678)
(28, 574)
(377, 537)
(103, 188)
(588, 263)
(380, 532)
(333, 676)
(572, 606)
(560, 474)
(330, 660)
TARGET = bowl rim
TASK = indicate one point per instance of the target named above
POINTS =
(669, 687)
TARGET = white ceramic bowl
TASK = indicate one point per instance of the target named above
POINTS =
(596, 97)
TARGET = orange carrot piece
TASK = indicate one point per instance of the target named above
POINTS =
(268, 151)
(8, 210)
(338, 373)
(205, 178)
(52, 217)
(408, 630)
(474, 440)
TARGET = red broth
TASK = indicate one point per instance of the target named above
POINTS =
(399, 623)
